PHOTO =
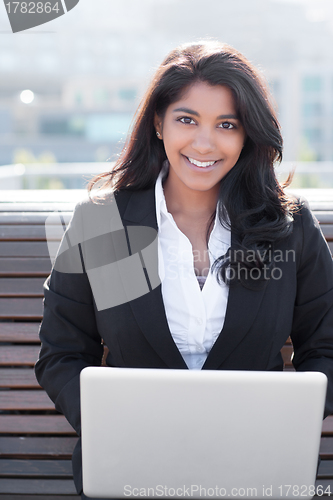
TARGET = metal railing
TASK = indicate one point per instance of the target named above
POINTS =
(77, 175)
(50, 176)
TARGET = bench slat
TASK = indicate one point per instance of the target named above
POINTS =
(327, 230)
(30, 232)
(15, 378)
(39, 218)
(24, 249)
(35, 468)
(21, 309)
(324, 217)
(321, 206)
(24, 267)
(42, 447)
(34, 218)
(35, 424)
(37, 447)
(25, 400)
(17, 287)
(37, 232)
(19, 207)
(19, 332)
(326, 448)
(325, 469)
(35, 486)
(40, 497)
(328, 425)
(19, 355)
(46, 424)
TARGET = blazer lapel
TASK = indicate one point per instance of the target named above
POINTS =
(242, 309)
(149, 309)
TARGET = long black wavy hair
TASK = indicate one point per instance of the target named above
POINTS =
(253, 203)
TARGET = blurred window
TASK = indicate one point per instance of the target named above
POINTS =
(312, 109)
(114, 66)
(275, 87)
(62, 126)
(8, 60)
(53, 126)
(107, 127)
(78, 98)
(313, 134)
(84, 63)
(101, 96)
(127, 94)
(48, 62)
(312, 83)
(5, 121)
(77, 125)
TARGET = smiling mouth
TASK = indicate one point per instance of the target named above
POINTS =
(202, 164)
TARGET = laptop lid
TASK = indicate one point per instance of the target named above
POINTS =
(200, 434)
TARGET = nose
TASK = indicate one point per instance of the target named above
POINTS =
(203, 141)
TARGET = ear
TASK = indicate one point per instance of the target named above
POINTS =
(158, 125)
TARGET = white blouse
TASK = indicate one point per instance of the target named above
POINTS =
(195, 316)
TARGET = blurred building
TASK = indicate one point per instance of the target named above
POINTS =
(88, 76)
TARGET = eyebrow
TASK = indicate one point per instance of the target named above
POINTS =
(195, 113)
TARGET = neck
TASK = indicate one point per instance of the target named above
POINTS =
(184, 201)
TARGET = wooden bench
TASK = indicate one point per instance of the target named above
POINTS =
(36, 442)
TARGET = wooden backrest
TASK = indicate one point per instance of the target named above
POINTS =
(36, 442)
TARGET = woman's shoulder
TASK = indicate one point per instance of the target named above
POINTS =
(104, 211)
(306, 233)
(96, 205)
(301, 212)
(103, 197)
(107, 198)
(96, 214)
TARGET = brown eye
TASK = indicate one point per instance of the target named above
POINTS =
(228, 125)
(183, 118)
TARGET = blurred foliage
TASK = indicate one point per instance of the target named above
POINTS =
(26, 157)
(49, 183)
(102, 154)
(46, 157)
(306, 181)
(306, 152)
(42, 183)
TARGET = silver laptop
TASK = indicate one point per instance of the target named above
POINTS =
(200, 434)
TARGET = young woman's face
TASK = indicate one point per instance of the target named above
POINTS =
(202, 136)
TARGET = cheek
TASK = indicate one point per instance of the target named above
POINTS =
(173, 142)
(235, 145)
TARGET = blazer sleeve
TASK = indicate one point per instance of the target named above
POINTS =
(68, 333)
(312, 329)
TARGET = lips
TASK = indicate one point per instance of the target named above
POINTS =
(200, 168)
(202, 164)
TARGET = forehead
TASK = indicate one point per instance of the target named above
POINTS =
(207, 98)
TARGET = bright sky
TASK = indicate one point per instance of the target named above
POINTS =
(316, 10)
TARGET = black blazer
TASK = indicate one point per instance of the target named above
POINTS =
(297, 303)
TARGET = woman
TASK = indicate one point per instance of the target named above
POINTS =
(238, 267)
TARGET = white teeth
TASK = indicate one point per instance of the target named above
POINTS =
(200, 163)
